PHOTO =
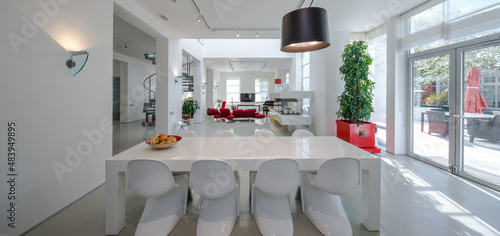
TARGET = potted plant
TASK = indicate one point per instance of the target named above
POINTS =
(218, 103)
(356, 100)
(189, 107)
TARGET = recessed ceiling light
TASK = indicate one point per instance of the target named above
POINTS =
(163, 17)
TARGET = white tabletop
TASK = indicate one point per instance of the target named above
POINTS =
(235, 149)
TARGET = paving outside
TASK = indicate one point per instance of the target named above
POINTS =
(481, 158)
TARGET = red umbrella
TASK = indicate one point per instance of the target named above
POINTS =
(474, 101)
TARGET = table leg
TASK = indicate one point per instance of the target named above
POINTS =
(422, 122)
(371, 191)
(115, 201)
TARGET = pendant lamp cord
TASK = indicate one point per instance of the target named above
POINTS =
(311, 3)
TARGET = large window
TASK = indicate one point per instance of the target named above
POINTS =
(233, 89)
(377, 48)
(306, 69)
(448, 11)
(438, 23)
(261, 89)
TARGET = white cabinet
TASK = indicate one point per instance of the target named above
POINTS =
(285, 119)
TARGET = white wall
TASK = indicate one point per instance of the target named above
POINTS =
(194, 48)
(247, 82)
(326, 84)
(210, 89)
(396, 92)
(247, 48)
(61, 121)
(131, 107)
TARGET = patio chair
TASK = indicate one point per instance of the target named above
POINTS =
(483, 128)
(438, 123)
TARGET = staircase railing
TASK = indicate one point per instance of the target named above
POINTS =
(149, 107)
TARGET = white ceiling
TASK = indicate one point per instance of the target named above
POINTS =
(248, 64)
(224, 17)
(137, 41)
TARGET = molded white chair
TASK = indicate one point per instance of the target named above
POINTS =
(264, 133)
(166, 195)
(302, 133)
(320, 195)
(216, 183)
(188, 133)
(223, 133)
(275, 180)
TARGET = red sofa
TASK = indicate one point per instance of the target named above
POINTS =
(248, 113)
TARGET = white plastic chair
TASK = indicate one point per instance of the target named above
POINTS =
(275, 180)
(216, 183)
(188, 133)
(302, 133)
(166, 195)
(264, 133)
(223, 133)
(320, 195)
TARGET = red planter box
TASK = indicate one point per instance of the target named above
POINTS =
(362, 136)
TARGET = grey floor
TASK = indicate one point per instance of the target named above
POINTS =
(417, 199)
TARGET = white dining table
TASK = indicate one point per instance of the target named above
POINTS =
(245, 154)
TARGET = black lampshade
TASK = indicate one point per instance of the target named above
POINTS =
(304, 30)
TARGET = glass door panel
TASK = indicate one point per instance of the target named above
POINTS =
(430, 121)
(481, 113)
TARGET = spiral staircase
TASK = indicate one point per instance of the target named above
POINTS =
(149, 107)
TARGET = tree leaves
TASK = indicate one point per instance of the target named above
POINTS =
(357, 99)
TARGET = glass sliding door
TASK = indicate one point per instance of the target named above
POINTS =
(430, 119)
(480, 112)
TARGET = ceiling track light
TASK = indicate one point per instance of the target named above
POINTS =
(256, 34)
(121, 40)
(237, 34)
(199, 18)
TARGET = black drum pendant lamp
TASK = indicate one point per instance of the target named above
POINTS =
(305, 30)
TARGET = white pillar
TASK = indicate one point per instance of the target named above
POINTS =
(209, 90)
(396, 92)
(326, 84)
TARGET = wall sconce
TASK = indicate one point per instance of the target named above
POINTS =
(204, 88)
(77, 61)
(176, 79)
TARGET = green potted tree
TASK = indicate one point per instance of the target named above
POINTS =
(189, 107)
(356, 100)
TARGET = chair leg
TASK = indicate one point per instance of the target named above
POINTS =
(218, 216)
(272, 214)
(325, 211)
(161, 214)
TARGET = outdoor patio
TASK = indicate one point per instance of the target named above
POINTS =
(481, 157)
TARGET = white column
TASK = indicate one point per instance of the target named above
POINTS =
(326, 83)
(396, 92)
(210, 89)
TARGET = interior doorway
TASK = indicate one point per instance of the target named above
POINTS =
(116, 97)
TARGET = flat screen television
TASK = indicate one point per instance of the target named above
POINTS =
(247, 97)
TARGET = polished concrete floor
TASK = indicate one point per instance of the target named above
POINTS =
(417, 199)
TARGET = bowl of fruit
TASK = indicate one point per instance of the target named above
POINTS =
(163, 141)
